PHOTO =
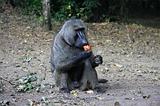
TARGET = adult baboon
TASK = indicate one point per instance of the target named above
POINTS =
(72, 60)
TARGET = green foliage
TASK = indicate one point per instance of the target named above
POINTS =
(65, 10)
(72, 8)
(30, 6)
(2, 3)
(25, 83)
(99, 10)
(90, 10)
(89, 5)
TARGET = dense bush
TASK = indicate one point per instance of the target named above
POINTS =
(90, 10)
(63, 9)
(25, 6)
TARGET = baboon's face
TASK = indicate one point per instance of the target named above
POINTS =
(74, 33)
(80, 38)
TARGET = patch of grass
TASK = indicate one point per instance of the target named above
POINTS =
(25, 84)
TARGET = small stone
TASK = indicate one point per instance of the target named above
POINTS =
(32, 103)
(146, 96)
(99, 98)
(12, 94)
(90, 92)
(116, 104)
(118, 65)
(17, 65)
(6, 102)
(106, 69)
(128, 98)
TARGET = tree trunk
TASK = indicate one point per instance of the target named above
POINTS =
(47, 15)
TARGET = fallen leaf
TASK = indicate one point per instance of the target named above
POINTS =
(74, 92)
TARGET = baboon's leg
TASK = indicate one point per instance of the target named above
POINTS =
(64, 82)
(57, 77)
(89, 78)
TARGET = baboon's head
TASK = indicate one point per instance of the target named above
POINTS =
(74, 33)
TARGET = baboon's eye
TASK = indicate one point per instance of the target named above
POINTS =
(78, 31)
(76, 37)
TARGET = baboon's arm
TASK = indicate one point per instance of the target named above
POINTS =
(72, 61)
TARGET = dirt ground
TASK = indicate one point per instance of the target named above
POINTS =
(131, 54)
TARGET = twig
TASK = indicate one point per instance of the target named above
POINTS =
(7, 80)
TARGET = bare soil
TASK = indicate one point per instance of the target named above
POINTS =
(131, 55)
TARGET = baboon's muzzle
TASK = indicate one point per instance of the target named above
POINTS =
(81, 40)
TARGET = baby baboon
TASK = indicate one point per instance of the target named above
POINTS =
(72, 60)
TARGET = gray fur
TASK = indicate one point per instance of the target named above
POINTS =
(63, 53)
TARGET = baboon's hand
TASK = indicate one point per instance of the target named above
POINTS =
(98, 59)
(87, 48)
